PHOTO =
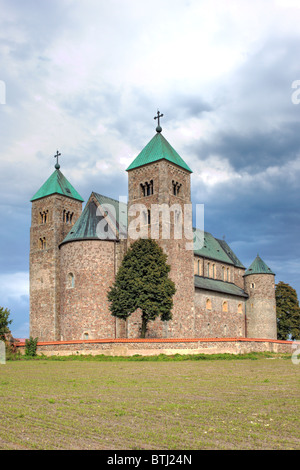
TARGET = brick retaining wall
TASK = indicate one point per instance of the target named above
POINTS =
(151, 347)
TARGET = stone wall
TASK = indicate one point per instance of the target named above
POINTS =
(261, 306)
(218, 270)
(87, 272)
(48, 229)
(216, 319)
(127, 347)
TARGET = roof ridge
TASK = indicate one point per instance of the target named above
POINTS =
(108, 197)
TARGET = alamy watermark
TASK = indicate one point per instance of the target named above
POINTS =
(2, 92)
(156, 221)
(2, 352)
(295, 358)
(296, 94)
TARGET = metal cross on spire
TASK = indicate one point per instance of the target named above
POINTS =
(57, 165)
(158, 129)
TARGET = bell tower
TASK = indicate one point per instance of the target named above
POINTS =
(159, 197)
(55, 208)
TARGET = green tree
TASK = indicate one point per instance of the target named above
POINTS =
(30, 347)
(287, 312)
(143, 282)
(4, 322)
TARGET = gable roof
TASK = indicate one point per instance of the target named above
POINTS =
(258, 266)
(210, 247)
(158, 149)
(57, 183)
(230, 253)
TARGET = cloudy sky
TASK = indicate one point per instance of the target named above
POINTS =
(87, 77)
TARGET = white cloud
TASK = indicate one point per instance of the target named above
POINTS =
(13, 285)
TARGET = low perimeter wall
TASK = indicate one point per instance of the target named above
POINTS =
(151, 347)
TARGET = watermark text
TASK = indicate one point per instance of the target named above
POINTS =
(2, 92)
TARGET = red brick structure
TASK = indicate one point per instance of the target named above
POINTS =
(75, 255)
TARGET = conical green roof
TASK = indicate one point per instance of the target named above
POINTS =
(87, 227)
(90, 226)
(158, 149)
(57, 184)
(258, 267)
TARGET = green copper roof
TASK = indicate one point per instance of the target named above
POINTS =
(211, 248)
(158, 149)
(230, 253)
(88, 226)
(258, 267)
(91, 223)
(57, 184)
(218, 286)
(117, 212)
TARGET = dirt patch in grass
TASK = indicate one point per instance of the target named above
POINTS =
(149, 405)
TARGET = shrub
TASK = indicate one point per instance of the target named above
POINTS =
(30, 347)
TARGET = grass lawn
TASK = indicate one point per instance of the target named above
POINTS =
(155, 405)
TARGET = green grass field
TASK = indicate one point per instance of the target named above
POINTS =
(154, 405)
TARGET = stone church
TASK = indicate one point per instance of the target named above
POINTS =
(75, 255)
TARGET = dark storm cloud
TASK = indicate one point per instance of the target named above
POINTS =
(181, 106)
(258, 123)
(256, 149)
(258, 213)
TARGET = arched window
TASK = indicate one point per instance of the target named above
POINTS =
(71, 280)
(67, 217)
(208, 304)
(42, 243)
(214, 271)
(225, 306)
(149, 217)
(176, 187)
(252, 285)
(146, 188)
(195, 266)
(240, 308)
(208, 269)
(223, 273)
(177, 217)
(85, 336)
(44, 217)
(145, 217)
(149, 188)
(199, 268)
(228, 274)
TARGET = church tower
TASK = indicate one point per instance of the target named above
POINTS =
(261, 304)
(55, 208)
(159, 197)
